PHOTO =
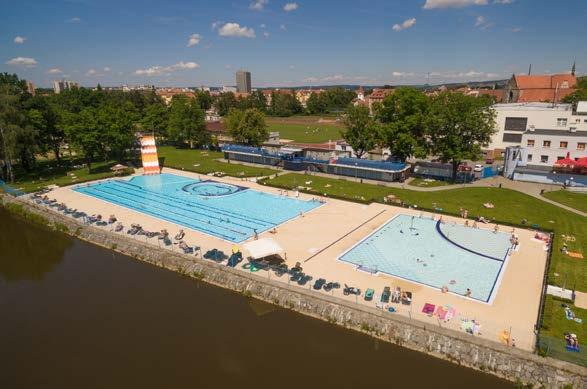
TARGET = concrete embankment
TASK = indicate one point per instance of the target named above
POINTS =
(460, 348)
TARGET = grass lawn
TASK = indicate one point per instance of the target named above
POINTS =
(307, 133)
(554, 326)
(570, 199)
(48, 172)
(422, 183)
(204, 162)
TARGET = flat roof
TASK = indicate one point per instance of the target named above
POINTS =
(533, 107)
(562, 133)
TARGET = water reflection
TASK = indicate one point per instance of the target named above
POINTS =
(28, 252)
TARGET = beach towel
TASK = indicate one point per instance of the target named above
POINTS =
(441, 312)
(575, 255)
(451, 312)
(428, 309)
(569, 314)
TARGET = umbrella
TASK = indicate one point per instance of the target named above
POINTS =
(566, 163)
(118, 167)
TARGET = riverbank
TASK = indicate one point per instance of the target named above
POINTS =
(509, 363)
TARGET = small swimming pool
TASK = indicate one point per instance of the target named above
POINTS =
(434, 254)
(227, 211)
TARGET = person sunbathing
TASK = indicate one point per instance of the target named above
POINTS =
(112, 219)
(180, 235)
(119, 227)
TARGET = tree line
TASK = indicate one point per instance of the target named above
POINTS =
(91, 124)
(451, 126)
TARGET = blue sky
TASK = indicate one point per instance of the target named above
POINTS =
(289, 42)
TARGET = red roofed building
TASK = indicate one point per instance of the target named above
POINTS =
(539, 88)
(377, 96)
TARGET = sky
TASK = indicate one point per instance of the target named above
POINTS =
(289, 42)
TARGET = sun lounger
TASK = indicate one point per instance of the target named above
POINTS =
(369, 294)
(573, 254)
(407, 298)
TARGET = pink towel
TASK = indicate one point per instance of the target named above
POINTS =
(428, 308)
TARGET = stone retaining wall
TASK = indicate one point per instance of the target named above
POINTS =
(460, 348)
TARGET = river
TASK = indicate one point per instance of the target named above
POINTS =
(73, 315)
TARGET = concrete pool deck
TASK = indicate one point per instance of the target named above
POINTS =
(321, 235)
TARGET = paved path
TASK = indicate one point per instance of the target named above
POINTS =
(581, 299)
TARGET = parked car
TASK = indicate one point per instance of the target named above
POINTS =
(386, 294)
(331, 285)
(478, 168)
(369, 294)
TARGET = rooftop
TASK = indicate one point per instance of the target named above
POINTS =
(533, 107)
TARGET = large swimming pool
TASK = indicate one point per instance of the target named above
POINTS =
(227, 211)
(434, 254)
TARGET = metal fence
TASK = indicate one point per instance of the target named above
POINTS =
(4, 187)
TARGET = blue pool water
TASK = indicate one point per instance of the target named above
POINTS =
(433, 254)
(226, 211)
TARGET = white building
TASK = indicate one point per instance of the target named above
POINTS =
(518, 123)
(228, 89)
(61, 85)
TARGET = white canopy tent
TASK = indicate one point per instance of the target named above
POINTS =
(262, 248)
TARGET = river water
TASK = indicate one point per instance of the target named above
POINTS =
(73, 315)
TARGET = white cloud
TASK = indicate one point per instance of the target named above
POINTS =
(215, 24)
(469, 75)
(503, 1)
(235, 30)
(336, 77)
(482, 23)
(290, 7)
(406, 24)
(194, 40)
(266, 34)
(263, 25)
(107, 69)
(282, 27)
(22, 61)
(431, 4)
(54, 71)
(158, 70)
(92, 72)
(19, 40)
(516, 29)
(403, 74)
(75, 19)
(258, 5)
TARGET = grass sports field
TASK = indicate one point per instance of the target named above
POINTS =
(306, 129)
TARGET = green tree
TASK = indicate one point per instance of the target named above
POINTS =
(315, 105)
(247, 127)
(361, 130)
(403, 115)
(43, 115)
(580, 93)
(116, 123)
(186, 122)
(458, 126)
(284, 104)
(224, 102)
(85, 134)
(155, 119)
(204, 100)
